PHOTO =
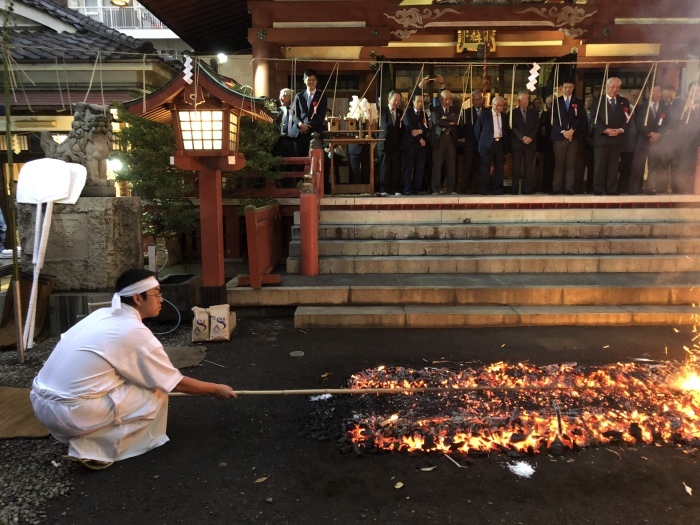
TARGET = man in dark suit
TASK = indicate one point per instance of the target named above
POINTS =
(309, 111)
(286, 144)
(492, 133)
(472, 160)
(652, 123)
(523, 143)
(567, 122)
(443, 140)
(414, 143)
(609, 127)
(390, 150)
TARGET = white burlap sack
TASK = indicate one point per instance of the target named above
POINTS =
(219, 323)
(200, 324)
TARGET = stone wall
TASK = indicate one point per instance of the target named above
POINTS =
(90, 243)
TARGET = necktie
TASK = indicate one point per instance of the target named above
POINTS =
(653, 109)
(289, 123)
(310, 97)
(612, 103)
(524, 114)
(478, 111)
(566, 101)
(393, 117)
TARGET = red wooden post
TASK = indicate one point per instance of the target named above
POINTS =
(211, 227)
(309, 200)
(251, 228)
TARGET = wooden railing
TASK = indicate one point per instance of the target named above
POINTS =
(264, 232)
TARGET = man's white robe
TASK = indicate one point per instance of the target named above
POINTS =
(104, 388)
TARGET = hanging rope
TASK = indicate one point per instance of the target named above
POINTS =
(688, 108)
(597, 111)
(323, 92)
(20, 84)
(419, 82)
(365, 92)
(464, 93)
(58, 83)
(92, 77)
(102, 89)
(653, 81)
(65, 72)
(335, 89)
(555, 95)
(512, 94)
(11, 73)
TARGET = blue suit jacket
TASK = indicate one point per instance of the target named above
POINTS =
(566, 119)
(484, 131)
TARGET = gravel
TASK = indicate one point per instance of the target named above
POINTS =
(32, 471)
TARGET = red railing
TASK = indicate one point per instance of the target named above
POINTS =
(264, 233)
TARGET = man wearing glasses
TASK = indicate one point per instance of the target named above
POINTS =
(492, 132)
(103, 391)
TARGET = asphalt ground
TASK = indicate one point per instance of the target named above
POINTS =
(253, 460)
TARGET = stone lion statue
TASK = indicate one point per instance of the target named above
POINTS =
(89, 142)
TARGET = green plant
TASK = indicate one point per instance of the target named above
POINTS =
(257, 143)
(146, 148)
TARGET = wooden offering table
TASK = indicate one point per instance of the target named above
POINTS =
(344, 138)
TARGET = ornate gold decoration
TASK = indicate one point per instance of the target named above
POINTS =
(413, 17)
(568, 15)
(469, 40)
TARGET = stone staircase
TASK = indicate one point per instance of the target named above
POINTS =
(486, 262)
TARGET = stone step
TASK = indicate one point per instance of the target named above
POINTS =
(543, 230)
(426, 316)
(462, 264)
(464, 294)
(477, 247)
(487, 215)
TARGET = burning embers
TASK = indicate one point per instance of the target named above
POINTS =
(532, 409)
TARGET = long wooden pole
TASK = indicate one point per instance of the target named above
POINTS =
(356, 391)
(12, 201)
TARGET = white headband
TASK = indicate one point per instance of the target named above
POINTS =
(138, 287)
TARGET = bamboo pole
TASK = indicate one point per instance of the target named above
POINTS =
(416, 390)
(12, 202)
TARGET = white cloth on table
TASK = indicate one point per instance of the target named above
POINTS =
(103, 389)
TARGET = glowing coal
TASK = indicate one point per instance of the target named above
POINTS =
(638, 402)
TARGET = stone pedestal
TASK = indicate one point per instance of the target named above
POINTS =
(90, 243)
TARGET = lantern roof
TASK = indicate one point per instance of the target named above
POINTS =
(200, 83)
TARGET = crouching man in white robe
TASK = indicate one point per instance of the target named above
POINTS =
(104, 389)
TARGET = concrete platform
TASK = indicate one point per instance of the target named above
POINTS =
(426, 316)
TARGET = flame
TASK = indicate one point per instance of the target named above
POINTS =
(692, 382)
(621, 403)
